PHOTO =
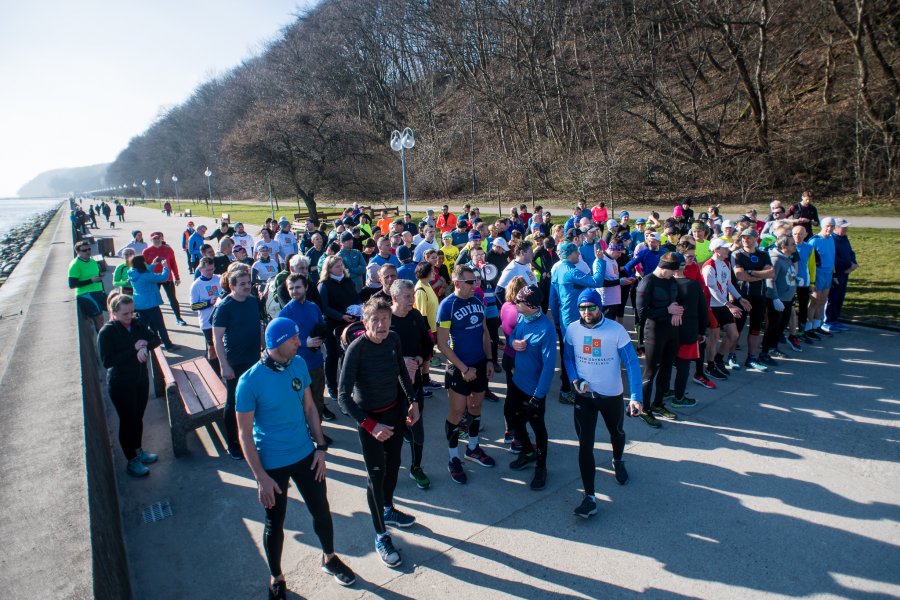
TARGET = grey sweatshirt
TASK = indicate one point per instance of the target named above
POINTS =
(784, 284)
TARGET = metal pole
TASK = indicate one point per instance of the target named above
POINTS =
(472, 140)
(177, 202)
(209, 185)
(403, 168)
(271, 204)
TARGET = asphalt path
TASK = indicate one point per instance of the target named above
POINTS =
(778, 484)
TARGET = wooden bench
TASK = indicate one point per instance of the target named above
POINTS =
(195, 396)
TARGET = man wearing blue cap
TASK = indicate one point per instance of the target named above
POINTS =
(566, 282)
(287, 241)
(595, 350)
(474, 242)
(282, 440)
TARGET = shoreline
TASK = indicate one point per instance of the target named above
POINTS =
(15, 244)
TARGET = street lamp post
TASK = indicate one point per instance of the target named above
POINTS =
(208, 174)
(144, 189)
(157, 188)
(400, 142)
(175, 181)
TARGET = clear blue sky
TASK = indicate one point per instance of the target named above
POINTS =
(78, 79)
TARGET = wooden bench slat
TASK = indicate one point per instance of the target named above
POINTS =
(213, 381)
(192, 403)
(202, 393)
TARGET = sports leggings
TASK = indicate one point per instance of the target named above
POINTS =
(612, 409)
(169, 288)
(661, 346)
(509, 363)
(778, 322)
(565, 386)
(315, 497)
(383, 461)
(415, 434)
(130, 400)
(493, 325)
(802, 307)
(523, 415)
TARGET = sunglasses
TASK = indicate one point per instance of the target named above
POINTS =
(587, 308)
(469, 281)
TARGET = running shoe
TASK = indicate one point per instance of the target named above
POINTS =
(621, 473)
(539, 481)
(665, 413)
(181, 322)
(509, 437)
(587, 508)
(828, 329)
(839, 327)
(756, 364)
(337, 569)
(427, 393)
(387, 552)
(436, 362)
(457, 473)
(523, 461)
(478, 456)
(419, 476)
(396, 518)
(824, 332)
(278, 591)
(684, 402)
(433, 385)
(668, 396)
(766, 359)
(236, 453)
(641, 353)
(327, 415)
(489, 395)
(720, 372)
(733, 363)
(463, 435)
(701, 380)
(567, 398)
(497, 368)
(172, 347)
(794, 343)
(148, 458)
(136, 468)
(776, 353)
(515, 447)
(650, 420)
(811, 334)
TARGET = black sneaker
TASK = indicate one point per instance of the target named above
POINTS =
(236, 453)
(621, 473)
(278, 591)
(587, 508)
(812, 336)
(716, 372)
(457, 473)
(337, 569)
(388, 554)
(327, 415)
(396, 518)
(539, 481)
(765, 359)
(523, 460)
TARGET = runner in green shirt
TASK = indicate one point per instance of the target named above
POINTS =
(84, 278)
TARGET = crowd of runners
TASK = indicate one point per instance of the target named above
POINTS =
(354, 316)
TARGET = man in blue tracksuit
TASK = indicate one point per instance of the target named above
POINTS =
(844, 264)
(823, 244)
(194, 253)
(595, 350)
(534, 340)
(648, 257)
(566, 282)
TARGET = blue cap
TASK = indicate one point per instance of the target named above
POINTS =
(623, 213)
(566, 249)
(404, 253)
(474, 235)
(279, 331)
(590, 295)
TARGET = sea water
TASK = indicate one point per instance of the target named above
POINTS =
(15, 211)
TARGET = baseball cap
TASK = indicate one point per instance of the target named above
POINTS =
(447, 235)
(346, 236)
(571, 232)
(717, 243)
(640, 220)
(190, 223)
(616, 247)
(404, 253)
(279, 331)
(727, 223)
(474, 235)
(566, 249)
(281, 221)
(500, 243)
(612, 223)
(653, 236)
(749, 232)
(156, 234)
(842, 223)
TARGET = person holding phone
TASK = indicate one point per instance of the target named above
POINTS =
(595, 350)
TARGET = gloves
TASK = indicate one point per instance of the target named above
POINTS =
(534, 404)
(778, 304)
(581, 386)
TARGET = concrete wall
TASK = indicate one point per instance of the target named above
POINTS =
(60, 522)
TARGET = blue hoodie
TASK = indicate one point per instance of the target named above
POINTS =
(146, 288)
(566, 282)
(536, 364)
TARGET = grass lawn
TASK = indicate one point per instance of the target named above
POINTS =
(873, 296)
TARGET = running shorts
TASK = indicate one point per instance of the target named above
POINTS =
(823, 279)
(453, 379)
(94, 303)
(689, 351)
(722, 315)
(757, 313)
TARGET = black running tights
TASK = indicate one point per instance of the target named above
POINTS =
(383, 463)
(314, 496)
(661, 346)
(523, 415)
(612, 409)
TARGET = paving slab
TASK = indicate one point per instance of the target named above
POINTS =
(778, 484)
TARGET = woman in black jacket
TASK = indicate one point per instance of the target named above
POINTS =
(337, 293)
(125, 345)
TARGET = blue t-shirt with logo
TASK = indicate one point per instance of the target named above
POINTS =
(279, 423)
(465, 320)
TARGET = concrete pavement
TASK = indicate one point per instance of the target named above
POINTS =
(785, 483)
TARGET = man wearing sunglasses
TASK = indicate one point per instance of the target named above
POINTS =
(595, 350)
(463, 338)
(85, 279)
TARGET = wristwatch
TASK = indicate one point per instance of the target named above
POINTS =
(322, 447)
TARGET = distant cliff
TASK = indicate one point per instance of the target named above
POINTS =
(61, 181)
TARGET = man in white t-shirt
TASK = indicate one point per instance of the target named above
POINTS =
(595, 350)
(242, 238)
(204, 295)
(519, 267)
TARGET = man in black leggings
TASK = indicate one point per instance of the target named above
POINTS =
(282, 440)
(375, 389)
(595, 350)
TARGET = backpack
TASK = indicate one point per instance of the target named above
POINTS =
(270, 298)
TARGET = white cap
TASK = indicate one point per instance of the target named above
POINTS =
(717, 243)
(842, 223)
(501, 243)
(612, 223)
(727, 223)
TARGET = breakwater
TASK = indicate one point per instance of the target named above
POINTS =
(16, 243)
